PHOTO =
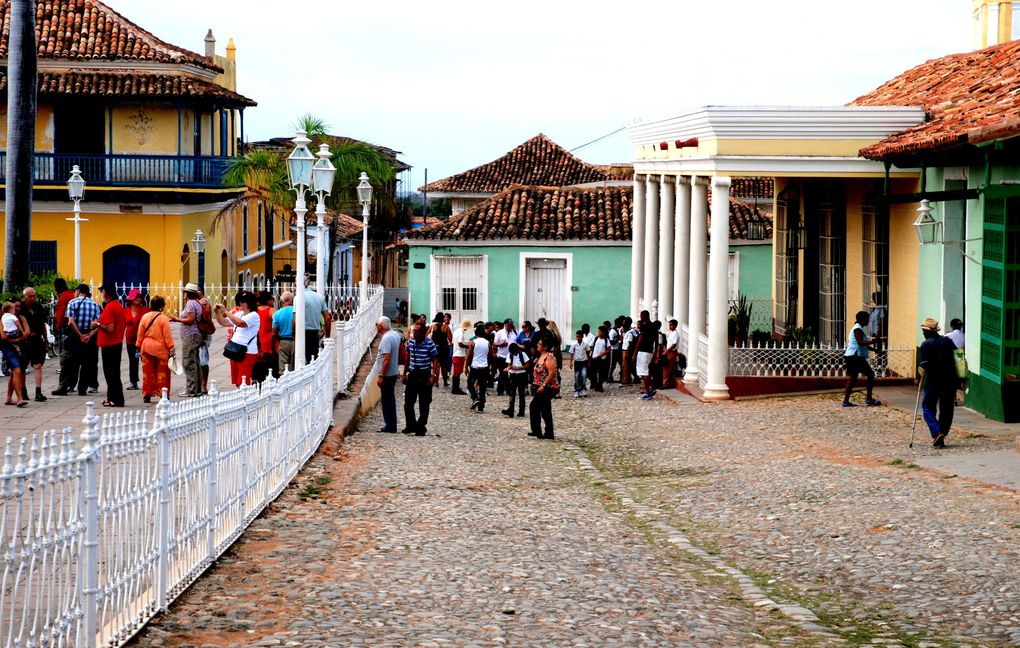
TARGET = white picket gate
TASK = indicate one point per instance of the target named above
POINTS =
(98, 536)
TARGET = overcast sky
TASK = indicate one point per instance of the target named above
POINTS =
(454, 84)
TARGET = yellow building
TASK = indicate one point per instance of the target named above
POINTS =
(151, 126)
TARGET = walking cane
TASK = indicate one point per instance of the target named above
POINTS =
(917, 402)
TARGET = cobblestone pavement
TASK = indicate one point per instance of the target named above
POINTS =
(772, 522)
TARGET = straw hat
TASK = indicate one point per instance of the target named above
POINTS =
(191, 288)
(930, 324)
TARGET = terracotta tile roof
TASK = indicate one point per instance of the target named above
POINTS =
(752, 188)
(85, 30)
(129, 85)
(541, 213)
(347, 226)
(560, 214)
(537, 162)
(970, 98)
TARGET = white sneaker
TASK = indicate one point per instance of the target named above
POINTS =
(577, 394)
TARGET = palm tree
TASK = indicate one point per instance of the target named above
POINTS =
(21, 107)
(265, 174)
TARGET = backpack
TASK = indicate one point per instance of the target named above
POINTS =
(205, 323)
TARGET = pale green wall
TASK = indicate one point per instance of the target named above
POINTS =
(755, 269)
(601, 275)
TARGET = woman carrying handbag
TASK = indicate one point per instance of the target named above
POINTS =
(155, 344)
(544, 388)
(243, 348)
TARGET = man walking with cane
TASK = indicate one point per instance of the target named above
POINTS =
(937, 368)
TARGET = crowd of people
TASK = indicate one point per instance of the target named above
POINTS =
(260, 340)
(518, 364)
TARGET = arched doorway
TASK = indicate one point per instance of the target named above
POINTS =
(126, 265)
(224, 269)
(186, 264)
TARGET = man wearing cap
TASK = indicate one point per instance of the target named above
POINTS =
(191, 340)
(79, 359)
(937, 371)
(110, 339)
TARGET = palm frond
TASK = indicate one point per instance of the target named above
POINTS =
(351, 158)
(313, 126)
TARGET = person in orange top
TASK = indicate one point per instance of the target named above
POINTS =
(267, 345)
(155, 344)
(110, 339)
(136, 308)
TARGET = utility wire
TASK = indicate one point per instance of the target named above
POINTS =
(598, 139)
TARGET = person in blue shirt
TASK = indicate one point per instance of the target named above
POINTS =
(856, 357)
(283, 331)
(388, 360)
(420, 375)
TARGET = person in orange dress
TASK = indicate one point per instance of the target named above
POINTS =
(155, 344)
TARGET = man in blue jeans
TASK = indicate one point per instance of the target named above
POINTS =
(389, 370)
(937, 368)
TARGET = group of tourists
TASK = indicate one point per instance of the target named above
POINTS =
(942, 369)
(518, 363)
(260, 340)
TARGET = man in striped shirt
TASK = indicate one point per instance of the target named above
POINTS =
(420, 374)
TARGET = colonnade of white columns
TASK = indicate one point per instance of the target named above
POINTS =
(672, 273)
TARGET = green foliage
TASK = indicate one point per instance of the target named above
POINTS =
(43, 284)
(801, 335)
(740, 314)
(314, 127)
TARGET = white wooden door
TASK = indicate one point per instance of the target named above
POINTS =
(546, 291)
(460, 282)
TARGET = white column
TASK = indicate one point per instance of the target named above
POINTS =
(682, 247)
(637, 245)
(651, 241)
(718, 292)
(696, 296)
(667, 207)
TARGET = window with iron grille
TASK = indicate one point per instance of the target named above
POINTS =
(244, 229)
(787, 221)
(875, 260)
(469, 299)
(42, 257)
(832, 270)
(449, 299)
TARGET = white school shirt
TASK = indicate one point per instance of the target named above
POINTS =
(614, 339)
(600, 346)
(589, 340)
(480, 358)
(673, 340)
(460, 336)
(579, 351)
(502, 335)
(520, 358)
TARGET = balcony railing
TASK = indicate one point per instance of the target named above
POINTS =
(183, 171)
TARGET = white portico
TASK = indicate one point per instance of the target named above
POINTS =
(678, 160)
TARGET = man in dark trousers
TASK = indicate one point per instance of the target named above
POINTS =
(79, 358)
(937, 371)
(420, 375)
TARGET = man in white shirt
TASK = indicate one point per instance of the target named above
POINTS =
(579, 363)
(672, 350)
(589, 337)
(956, 334)
(502, 340)
(599, 362)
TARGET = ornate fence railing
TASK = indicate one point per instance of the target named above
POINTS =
(101, 170)
(779, 359)
(99, 534)
(761, 314)
(702, 360)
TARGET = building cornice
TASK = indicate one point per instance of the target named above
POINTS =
(779, 123)
(458, 194)
(80, 67)
(773, 166)
(260, 253)
(135, 209)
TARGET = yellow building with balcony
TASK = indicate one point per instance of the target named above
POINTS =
(151, 126)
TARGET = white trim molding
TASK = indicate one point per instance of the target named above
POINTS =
(774, 165)
(459, 194)
(522, 293)
(255, 255)
(779, 123)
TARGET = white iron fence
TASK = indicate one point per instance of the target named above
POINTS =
(97, 537)
(778, 359)
(702, 360)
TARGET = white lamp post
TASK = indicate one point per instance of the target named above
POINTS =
(322, 181)
(365, 197)
(299, 168)
(76, 189)
(198, 244)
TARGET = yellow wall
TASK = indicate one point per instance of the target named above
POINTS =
(162, 236)
(145, 129)
(903, 280)
(281, 232)
(43, 129)
(854, 192)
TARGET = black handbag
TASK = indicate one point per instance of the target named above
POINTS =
(234, 351)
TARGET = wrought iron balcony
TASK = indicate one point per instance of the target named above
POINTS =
(117, 170)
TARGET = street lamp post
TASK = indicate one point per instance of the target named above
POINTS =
(76, 189)
(299, 168)
(198, 244)
(365, 197)
(322, 182)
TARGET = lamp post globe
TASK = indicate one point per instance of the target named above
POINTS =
(198, 244)
(76, 191)
(323, 174)
(365, 198)
(299, 170)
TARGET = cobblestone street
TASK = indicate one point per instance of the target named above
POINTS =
(770, 522)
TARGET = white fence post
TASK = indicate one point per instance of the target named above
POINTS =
(271, 387)
(214, 419)
(90, 454)
(163, 524)
(338, 351)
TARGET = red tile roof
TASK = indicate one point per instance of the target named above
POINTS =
(541, 213)
(347, 226)
(130, 85)
(752, 188)
(970, 98)
(87, 30)
(537, 162)
(560, 214)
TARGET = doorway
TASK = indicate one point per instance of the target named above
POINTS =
(126, 265)
(547, 290)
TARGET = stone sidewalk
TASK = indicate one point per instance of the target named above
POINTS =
(786, 521)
